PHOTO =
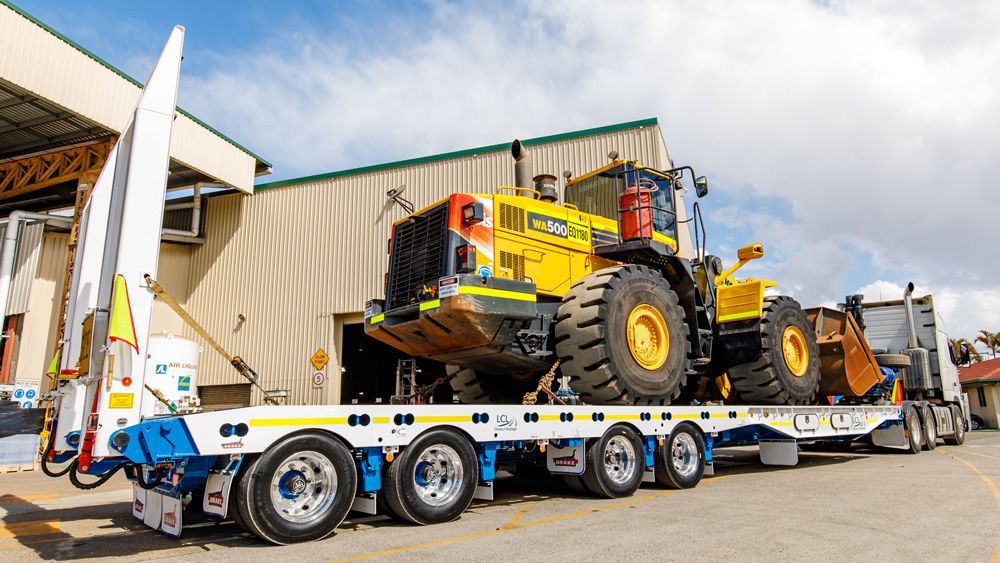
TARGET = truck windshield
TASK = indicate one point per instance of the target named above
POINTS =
(598, 195)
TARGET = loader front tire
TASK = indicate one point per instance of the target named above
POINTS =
(621, 337)
(787, 371)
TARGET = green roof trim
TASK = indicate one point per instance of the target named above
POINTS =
(457, 154)
(122, 74)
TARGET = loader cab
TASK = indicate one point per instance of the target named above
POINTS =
(598, 192)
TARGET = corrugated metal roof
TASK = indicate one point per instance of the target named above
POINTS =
(459, 153)
(122, 74)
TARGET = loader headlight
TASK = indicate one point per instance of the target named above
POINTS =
(472, 213)
(466, 258)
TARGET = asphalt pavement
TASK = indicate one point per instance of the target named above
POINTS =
(863, 505)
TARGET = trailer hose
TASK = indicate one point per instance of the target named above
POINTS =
(45, 460)
(148, 485)
(75, 478)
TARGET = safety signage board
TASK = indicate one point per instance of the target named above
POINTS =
(26, 393)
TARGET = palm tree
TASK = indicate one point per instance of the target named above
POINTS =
(991, 340)
(956, 345)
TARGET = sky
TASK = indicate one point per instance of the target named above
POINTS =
(857, 140)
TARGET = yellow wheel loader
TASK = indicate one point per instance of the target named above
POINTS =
(501, 286)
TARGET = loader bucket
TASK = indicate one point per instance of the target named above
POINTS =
(847, 366)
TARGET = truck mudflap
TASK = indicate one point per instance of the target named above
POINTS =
(472, 317)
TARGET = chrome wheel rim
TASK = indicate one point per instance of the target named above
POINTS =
(619, 459)
(437, 476)
(931, 428)
(684, 455)
(303, 487)
(913, 421)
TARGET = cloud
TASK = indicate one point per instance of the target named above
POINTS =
(856, 139)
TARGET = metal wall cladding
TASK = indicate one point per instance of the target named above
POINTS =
(29, 248)
(35, 59)
(288, 259)
(37, 340)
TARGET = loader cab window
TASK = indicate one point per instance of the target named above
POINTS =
(598, 195)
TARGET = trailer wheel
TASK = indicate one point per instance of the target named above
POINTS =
(434, 479)
(958, 438)
(475, 388)
(787, 371)
(299, 489)
(680, 461)
(615, 463)
(234, 488)
(575, 484)
(622, 338)
(930, 427)
(914, 429)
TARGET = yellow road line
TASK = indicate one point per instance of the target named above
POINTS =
(513, 524)
(967, 452)
(989, 484)
(22, 499)
(29, 528)
(516, 519)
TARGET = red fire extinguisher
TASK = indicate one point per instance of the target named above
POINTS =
(637, 214)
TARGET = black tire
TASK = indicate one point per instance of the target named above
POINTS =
(892, 360)
(576, 484)
(241, 495)
(234, 504)
(612, 471)
(768, 379)
(320, 458)
(914, 429)
(929, 427)
(680, 461)
(592, 338)
(977, 422)
(958, 438)
(402, 489)
(475, 388)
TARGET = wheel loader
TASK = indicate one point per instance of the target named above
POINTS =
(500, 287)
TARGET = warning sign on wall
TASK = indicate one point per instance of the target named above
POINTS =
(319, 359)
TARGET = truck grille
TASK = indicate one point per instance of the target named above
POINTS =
(418, 255)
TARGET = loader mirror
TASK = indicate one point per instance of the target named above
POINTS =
(701, 186)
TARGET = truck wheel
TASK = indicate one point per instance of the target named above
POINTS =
(787, 372)
(892, 360)
(299, 489)
(914, 429)
(475, 388)
(622, 339)
(930, 427)
(615, 463)
(958, 438)
(680, 461)
(434, 479)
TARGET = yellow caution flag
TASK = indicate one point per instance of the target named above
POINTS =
(122, 327)
(53, 370)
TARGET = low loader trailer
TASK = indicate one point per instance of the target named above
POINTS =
(292, 473)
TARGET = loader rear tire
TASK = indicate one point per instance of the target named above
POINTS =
(622, 339)
(475, 388)
(787, 371)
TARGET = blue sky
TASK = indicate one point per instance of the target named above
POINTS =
(855, 139)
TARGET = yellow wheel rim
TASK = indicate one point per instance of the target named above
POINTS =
(648, 340)
(795, 351)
